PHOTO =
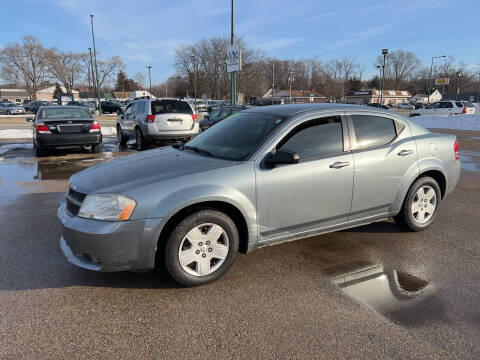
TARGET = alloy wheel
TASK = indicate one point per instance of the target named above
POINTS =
(424, 204)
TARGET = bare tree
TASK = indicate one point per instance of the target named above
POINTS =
(25, 64)
(400, 67)
(139, 78)
(67, 67)
(107, 69)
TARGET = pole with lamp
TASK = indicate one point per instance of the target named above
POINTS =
(459, 74)
(291, 80)
(149, 67)
(96, 68)
(430, 80)
(233, 74)
(195, 81)
(380, 69)
(384, 53)
(273, 77)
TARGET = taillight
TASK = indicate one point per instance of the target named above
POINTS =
(95, 127)
(42, 129)
(194, 117)
(464, 111)
(150, 118)
(455, 148)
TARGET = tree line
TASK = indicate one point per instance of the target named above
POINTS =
(202, 66)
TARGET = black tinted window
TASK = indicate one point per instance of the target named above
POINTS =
(170, 106)
(316, 138)
(373, 130)
(433, 106)
(459, 104)
(446, 105)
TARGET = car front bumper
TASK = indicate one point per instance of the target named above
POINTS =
(57, 140)
(108, 246)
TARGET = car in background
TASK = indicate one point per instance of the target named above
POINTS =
(232, 189)
(218, 114)
(121, 103)
(33, 106)
(153, 120)
(406, 106)
(201, 107)
(445, 108)
(379, 106)
(82, 103)
(110, 107)
(11, 109)
(65, 126)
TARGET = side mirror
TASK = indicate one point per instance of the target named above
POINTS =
(282, 157)
(29, 119)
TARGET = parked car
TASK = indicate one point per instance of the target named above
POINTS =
(405, 106)
(201, 107)
(380, 106)
(11, 109)
(264, 176)
(110, 107)
(65, 126)
(445, 108)
(217, 115)
(33, 106)
(86, 105)
(152, 120)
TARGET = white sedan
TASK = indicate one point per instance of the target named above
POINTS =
(445, 108)
(405, 106)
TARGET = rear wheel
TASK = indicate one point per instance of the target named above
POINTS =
(39, 150)
(140, 142)
(421, 205)
(96, 148)
(122, 139)
(202, 248)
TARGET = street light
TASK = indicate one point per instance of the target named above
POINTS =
(459, 74)
(384, 53)
(380, 69)
(96, 68)
(291, 80)
(149, 67)
(273, 78)
(430, 81)
(195, 66)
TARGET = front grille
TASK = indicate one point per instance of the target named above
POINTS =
(74, 201)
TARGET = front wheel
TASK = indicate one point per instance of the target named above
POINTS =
(421, 205)
(202, 248)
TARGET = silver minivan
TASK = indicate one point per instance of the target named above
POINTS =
(157, 120)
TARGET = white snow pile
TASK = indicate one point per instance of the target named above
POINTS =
(457, 122)
(27, 133)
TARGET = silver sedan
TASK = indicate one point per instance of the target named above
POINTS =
(262, 176)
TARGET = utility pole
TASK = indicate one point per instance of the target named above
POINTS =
(384, 53)
(459, 74)
(430, 80)
(291, 80)
(380, 68)
(273, 78)
(149, 78)
(96, 68)
(233, 74)
(91, 76)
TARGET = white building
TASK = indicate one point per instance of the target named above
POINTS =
(423, 98)
(17, 96)
(47, 93)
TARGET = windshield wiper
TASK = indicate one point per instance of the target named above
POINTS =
(199, 150)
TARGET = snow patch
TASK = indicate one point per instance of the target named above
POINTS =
(458, 122)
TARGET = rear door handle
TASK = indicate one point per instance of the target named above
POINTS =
(405, 152)
(339, 164)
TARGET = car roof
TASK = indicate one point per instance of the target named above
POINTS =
(295, 109)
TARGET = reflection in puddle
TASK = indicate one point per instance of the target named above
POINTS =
(470, 160)
(401, 297)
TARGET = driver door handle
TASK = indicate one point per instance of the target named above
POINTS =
(405, 152)
(339, 164)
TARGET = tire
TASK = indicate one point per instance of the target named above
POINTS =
(9, 113)
(426, 192)
(121, 138)
(140, 142)
(39, 150)
(96, 148)
(204, 266)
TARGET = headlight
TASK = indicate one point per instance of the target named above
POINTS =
(107, 207)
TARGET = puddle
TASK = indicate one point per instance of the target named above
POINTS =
(401, 297)
(470, 160)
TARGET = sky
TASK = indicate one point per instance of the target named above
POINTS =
(147, 32)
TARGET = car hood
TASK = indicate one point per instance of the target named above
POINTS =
(136, 170)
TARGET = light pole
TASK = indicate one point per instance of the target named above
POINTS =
(195, 66)
(384, 53)
(430, 81)
(233, 74)
(273, 78)
(149, 78)
(380, 69)
(291, 80)
(96, 68)
(90, 70)
(459, 74)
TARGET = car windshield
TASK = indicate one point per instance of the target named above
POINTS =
(11, 105)
(238, 136)
(61, 113)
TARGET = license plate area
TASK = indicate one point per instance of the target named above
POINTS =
(69, 129)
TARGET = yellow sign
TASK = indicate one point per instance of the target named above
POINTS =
(442, 81)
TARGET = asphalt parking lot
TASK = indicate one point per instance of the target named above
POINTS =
(283, 301)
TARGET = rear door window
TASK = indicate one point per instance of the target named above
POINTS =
(139, 107)
(459, 104)
(434, 106)
(446, 105)
(170, 106)
(372, 130)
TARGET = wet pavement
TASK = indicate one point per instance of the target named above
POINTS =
(370, 292)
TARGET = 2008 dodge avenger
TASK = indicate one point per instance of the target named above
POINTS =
(261, 176)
